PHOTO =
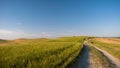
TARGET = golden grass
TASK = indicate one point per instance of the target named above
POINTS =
(108, 40)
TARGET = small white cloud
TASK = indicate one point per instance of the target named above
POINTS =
(5, 32)
(43, 33)
(8, 34)
(19, 23)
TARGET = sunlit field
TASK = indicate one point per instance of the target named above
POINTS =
(40, 53)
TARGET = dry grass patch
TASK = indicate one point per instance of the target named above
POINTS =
(108, 40)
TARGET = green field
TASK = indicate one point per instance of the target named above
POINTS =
(40, 53)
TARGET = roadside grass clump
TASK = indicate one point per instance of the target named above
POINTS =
(113, 49)
(40, 54)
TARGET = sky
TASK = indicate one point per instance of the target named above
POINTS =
(56, 18)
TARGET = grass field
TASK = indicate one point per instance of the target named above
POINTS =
(111, 47)
(40, 53)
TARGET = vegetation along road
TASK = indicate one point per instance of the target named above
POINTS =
(63, 52)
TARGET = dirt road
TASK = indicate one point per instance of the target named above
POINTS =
(82, 61)
(87, 59)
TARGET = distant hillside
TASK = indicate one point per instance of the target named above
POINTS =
(25, 40)
(3, 41)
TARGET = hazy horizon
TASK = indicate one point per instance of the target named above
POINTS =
(59, 18)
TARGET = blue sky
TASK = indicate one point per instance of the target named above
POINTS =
(54, 18)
